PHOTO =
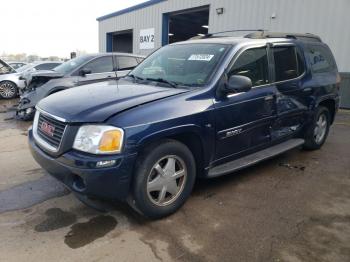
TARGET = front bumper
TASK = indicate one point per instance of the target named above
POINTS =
(79, 173)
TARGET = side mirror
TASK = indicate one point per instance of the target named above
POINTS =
(84, 72)
(238, 84)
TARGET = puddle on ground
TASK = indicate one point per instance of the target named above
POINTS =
(82, 234)
(56, 218)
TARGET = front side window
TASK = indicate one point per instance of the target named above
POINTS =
(100, 65)
(320, 59)
(184, 64)
(72, 65)
(126, 62)
(253, 64)
(288, 63)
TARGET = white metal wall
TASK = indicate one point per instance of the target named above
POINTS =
(329, 19)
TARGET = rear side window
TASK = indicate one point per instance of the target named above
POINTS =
(126, 62)
(288, 63)
(252, 63)
(100, 65)
(320, 58)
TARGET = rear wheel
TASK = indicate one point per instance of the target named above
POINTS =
(318, 130)
(165, 175)
(8, 90)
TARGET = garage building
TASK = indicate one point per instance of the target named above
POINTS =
(143, 28)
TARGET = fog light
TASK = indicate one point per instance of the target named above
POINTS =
(106, 163)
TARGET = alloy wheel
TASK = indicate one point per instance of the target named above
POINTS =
(7, 90)
(166, 180)
(320, 128)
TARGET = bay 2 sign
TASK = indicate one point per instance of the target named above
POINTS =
(147, 38)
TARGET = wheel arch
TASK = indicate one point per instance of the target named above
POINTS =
(190, 136)
(330, 104)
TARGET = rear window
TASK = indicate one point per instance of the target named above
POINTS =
(321, 59)
(289, 63)
(46, 66)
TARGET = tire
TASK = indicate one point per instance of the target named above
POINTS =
(156, 192)
(317, 132)
(8, 90)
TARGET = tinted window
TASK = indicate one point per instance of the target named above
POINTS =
(46, 66)
(320, 58)
(100, 65)
(288, 63)
(126, 63)
(252, 63)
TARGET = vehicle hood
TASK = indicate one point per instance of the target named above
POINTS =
(98, 102)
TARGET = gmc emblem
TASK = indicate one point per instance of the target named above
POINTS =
(47, 128)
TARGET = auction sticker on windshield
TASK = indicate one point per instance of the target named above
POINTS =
(201, 57)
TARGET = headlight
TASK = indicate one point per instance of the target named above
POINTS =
(97, 139)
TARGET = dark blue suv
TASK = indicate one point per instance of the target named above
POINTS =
(196, 109)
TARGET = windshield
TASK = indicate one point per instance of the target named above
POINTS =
(184, 64)
(72, 65)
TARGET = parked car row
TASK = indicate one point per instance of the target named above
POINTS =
(12, 80)
(195, 109)
(83, 70)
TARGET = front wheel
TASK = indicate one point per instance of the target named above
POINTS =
(164, 179)
(317, 133)
(8, 90)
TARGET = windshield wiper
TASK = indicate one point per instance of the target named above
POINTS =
(134, 77)
(162, 80)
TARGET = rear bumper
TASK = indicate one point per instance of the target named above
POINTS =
(79, 173)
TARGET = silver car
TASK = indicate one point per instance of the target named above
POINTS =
(83, 70)
(11, 80)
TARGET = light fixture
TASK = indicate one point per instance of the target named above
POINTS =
(170, 34)
(220, 11)
(205, 26)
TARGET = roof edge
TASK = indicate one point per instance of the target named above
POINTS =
(129, 9)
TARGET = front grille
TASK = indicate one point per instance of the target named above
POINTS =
(53, 139)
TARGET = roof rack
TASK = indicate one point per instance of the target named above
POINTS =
(209, 35)
(264, 34)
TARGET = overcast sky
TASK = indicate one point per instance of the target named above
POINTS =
(53, 28)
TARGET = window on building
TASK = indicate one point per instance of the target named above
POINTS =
(126, 62)
(252, 63)
(100, 65)
(320, 58)
(288, 63)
